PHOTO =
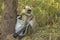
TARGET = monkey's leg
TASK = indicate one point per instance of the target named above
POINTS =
(30, 29)
(23, 34)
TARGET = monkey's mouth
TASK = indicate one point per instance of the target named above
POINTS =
(29, 11)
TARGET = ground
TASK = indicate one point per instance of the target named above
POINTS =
(40, 34)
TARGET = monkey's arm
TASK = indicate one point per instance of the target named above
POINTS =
(31, 17)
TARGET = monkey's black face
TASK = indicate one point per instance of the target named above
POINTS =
(29, 11)
(19, 17)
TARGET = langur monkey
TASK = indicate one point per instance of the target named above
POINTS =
(27, 12)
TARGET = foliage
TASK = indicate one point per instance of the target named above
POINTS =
(0, 6)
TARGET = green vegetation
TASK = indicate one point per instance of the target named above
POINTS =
(0, 6)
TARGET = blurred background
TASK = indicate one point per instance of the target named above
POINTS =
(47, 14)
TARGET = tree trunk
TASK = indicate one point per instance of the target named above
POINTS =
(9, 17)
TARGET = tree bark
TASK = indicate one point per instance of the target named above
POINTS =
(9, 17)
